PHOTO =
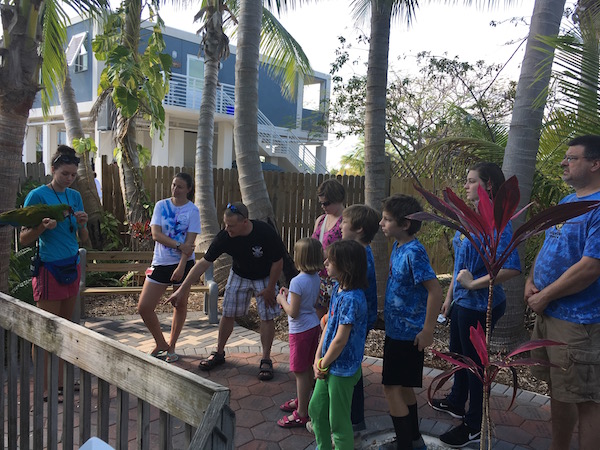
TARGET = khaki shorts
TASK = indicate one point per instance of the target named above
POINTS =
(577, 379)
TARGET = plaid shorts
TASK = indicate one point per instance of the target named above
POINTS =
(238, 293)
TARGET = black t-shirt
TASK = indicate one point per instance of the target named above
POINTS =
(253, 255)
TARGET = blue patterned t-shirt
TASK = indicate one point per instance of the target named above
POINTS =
(347, 308)
(565, 245)
(405, 296)
(175, 222)
(371, 290)
(466, 257)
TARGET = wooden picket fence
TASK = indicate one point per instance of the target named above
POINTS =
(293, 196)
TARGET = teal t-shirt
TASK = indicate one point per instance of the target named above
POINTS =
(60, 242)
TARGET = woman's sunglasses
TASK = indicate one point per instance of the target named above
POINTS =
(325, 204)
(66, 159)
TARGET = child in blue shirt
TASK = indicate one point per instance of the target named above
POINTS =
(337, 365)
(361, 223)
(412, 302)
(299, 302)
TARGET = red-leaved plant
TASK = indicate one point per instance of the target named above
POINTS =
(483, 228)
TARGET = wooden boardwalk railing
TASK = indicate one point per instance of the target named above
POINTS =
(115, 381)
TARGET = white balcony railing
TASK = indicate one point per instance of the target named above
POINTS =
(186, 92)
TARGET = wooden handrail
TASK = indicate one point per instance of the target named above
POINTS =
(187, 398)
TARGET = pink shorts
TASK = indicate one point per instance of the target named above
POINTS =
(303, 347)
(45, 286)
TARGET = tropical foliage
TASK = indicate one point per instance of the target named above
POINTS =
(136, 83)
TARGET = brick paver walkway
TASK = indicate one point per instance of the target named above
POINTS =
(256, 403)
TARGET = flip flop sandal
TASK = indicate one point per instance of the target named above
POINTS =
(265, 373)
(287, 406)
(215, 359)
(172, 357)
(296, 421)
(160, 354)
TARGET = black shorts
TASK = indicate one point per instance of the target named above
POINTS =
(402, 364)
(162, 274)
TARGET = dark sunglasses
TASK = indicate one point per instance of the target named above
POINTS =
(235, 210)
(325, 204)
(66, 159)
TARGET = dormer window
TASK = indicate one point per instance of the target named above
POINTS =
(77, 55)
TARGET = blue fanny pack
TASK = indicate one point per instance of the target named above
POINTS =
(63, 270)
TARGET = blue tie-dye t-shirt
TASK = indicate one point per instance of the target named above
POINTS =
(347, 307)
(175, 222)
(371, 290)
(405, 296)
(467, 257)
(565, 245)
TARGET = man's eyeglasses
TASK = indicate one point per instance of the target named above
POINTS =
(325, 204)
(235, 210)
(66, 159)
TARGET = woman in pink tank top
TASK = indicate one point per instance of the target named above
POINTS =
(331, 196)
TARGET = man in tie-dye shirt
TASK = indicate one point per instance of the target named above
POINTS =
(563, 289)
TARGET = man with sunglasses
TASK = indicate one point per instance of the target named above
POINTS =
(257, 252)
(563, 288)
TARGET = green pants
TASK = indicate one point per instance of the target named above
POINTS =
(329, 411)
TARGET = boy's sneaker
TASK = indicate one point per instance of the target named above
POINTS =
(460, 436)
(444, 406)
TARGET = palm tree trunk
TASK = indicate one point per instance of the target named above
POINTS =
(216, 47)
(522, 147)
(19, 85)
(132, 183)
(376, 172)
(13, 122)
(85, 183)
(252, 182)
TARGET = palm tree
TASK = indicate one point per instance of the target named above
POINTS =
(215, 44)
(245, 129)
(85, 183)
(33, 38)
(523, 142)
(252, 23)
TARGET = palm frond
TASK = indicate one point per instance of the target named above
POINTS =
(577, 69)
(284, 55)
(282, 6)
(402, 10)
(54, 26)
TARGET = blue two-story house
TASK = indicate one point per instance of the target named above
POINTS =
(291, 133)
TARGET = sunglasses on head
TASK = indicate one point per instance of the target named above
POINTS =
(325, 204)
(235, 210)
(66, 159)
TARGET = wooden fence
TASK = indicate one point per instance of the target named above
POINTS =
(293, 196)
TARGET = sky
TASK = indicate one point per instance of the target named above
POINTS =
(450, 30)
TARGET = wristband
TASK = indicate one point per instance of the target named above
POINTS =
(321, 369)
